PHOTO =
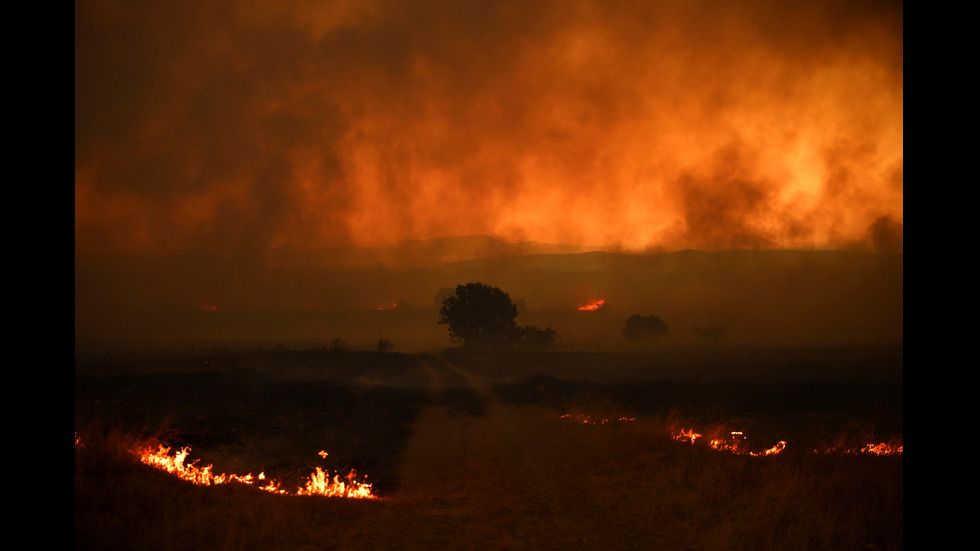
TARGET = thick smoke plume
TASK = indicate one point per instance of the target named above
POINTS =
(283, 129)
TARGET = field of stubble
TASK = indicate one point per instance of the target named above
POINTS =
(531, 450)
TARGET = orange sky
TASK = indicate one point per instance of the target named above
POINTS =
(272, 127)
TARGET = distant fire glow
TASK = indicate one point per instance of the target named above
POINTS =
(391, 306)
(589, 420)
(735, 441)
(592, 306)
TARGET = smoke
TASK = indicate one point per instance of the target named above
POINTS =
(262, 129)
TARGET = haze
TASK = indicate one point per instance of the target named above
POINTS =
(259, 136)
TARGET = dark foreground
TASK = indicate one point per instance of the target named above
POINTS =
(471, 452)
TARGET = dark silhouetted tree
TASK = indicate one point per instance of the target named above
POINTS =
(480, 315)
(644, 328)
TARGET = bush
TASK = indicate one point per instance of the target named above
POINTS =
(535, 337)
(644, 328)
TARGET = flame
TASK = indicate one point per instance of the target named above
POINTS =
(589, 420)
(884, 448)
(392, 307)
(209, 307)
(687, 434)
(593, 306)
(735, 444)
(319, 482)
(893, 447)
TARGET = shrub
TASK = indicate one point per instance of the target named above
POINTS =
(644, 328)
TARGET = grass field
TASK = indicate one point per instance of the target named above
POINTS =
(472, 451)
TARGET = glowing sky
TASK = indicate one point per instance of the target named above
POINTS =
(268, 127)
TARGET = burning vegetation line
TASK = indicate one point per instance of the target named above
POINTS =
(319, 482)
(735, 443)
(592, 306)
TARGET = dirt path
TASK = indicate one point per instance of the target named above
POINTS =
(503, 479)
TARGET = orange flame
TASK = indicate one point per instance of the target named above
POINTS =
(893, 447)
(319, 482)
(884, 448)
(734, 445)
(589, 420)
(392, 307)
(593, 306)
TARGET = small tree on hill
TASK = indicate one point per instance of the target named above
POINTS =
(644, 328)
(480, 315)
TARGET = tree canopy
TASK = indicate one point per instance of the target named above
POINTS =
(480, 315)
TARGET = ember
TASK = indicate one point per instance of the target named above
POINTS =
(735, 443)
(589, 420)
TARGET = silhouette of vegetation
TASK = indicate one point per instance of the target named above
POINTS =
(480, 315)
(383, 345)
(337, 350)
(533, 336)
(644, 328)
(337, 346)
(709, 334)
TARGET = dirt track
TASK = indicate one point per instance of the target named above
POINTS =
(460, 467)
(504, 477)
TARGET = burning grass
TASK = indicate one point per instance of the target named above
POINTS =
(319, 482)
(517, 476)
(735, 442)
(158, 500)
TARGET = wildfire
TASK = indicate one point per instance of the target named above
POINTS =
(589, 420)
(319, 482)
(893, 447)
(735, 442)
(884, 448)
(388, 307)
(592, 306)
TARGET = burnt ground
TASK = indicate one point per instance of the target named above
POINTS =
(469, 451)
(273, 411)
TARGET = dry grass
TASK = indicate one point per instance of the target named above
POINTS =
(517, 478)
(509, 475)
